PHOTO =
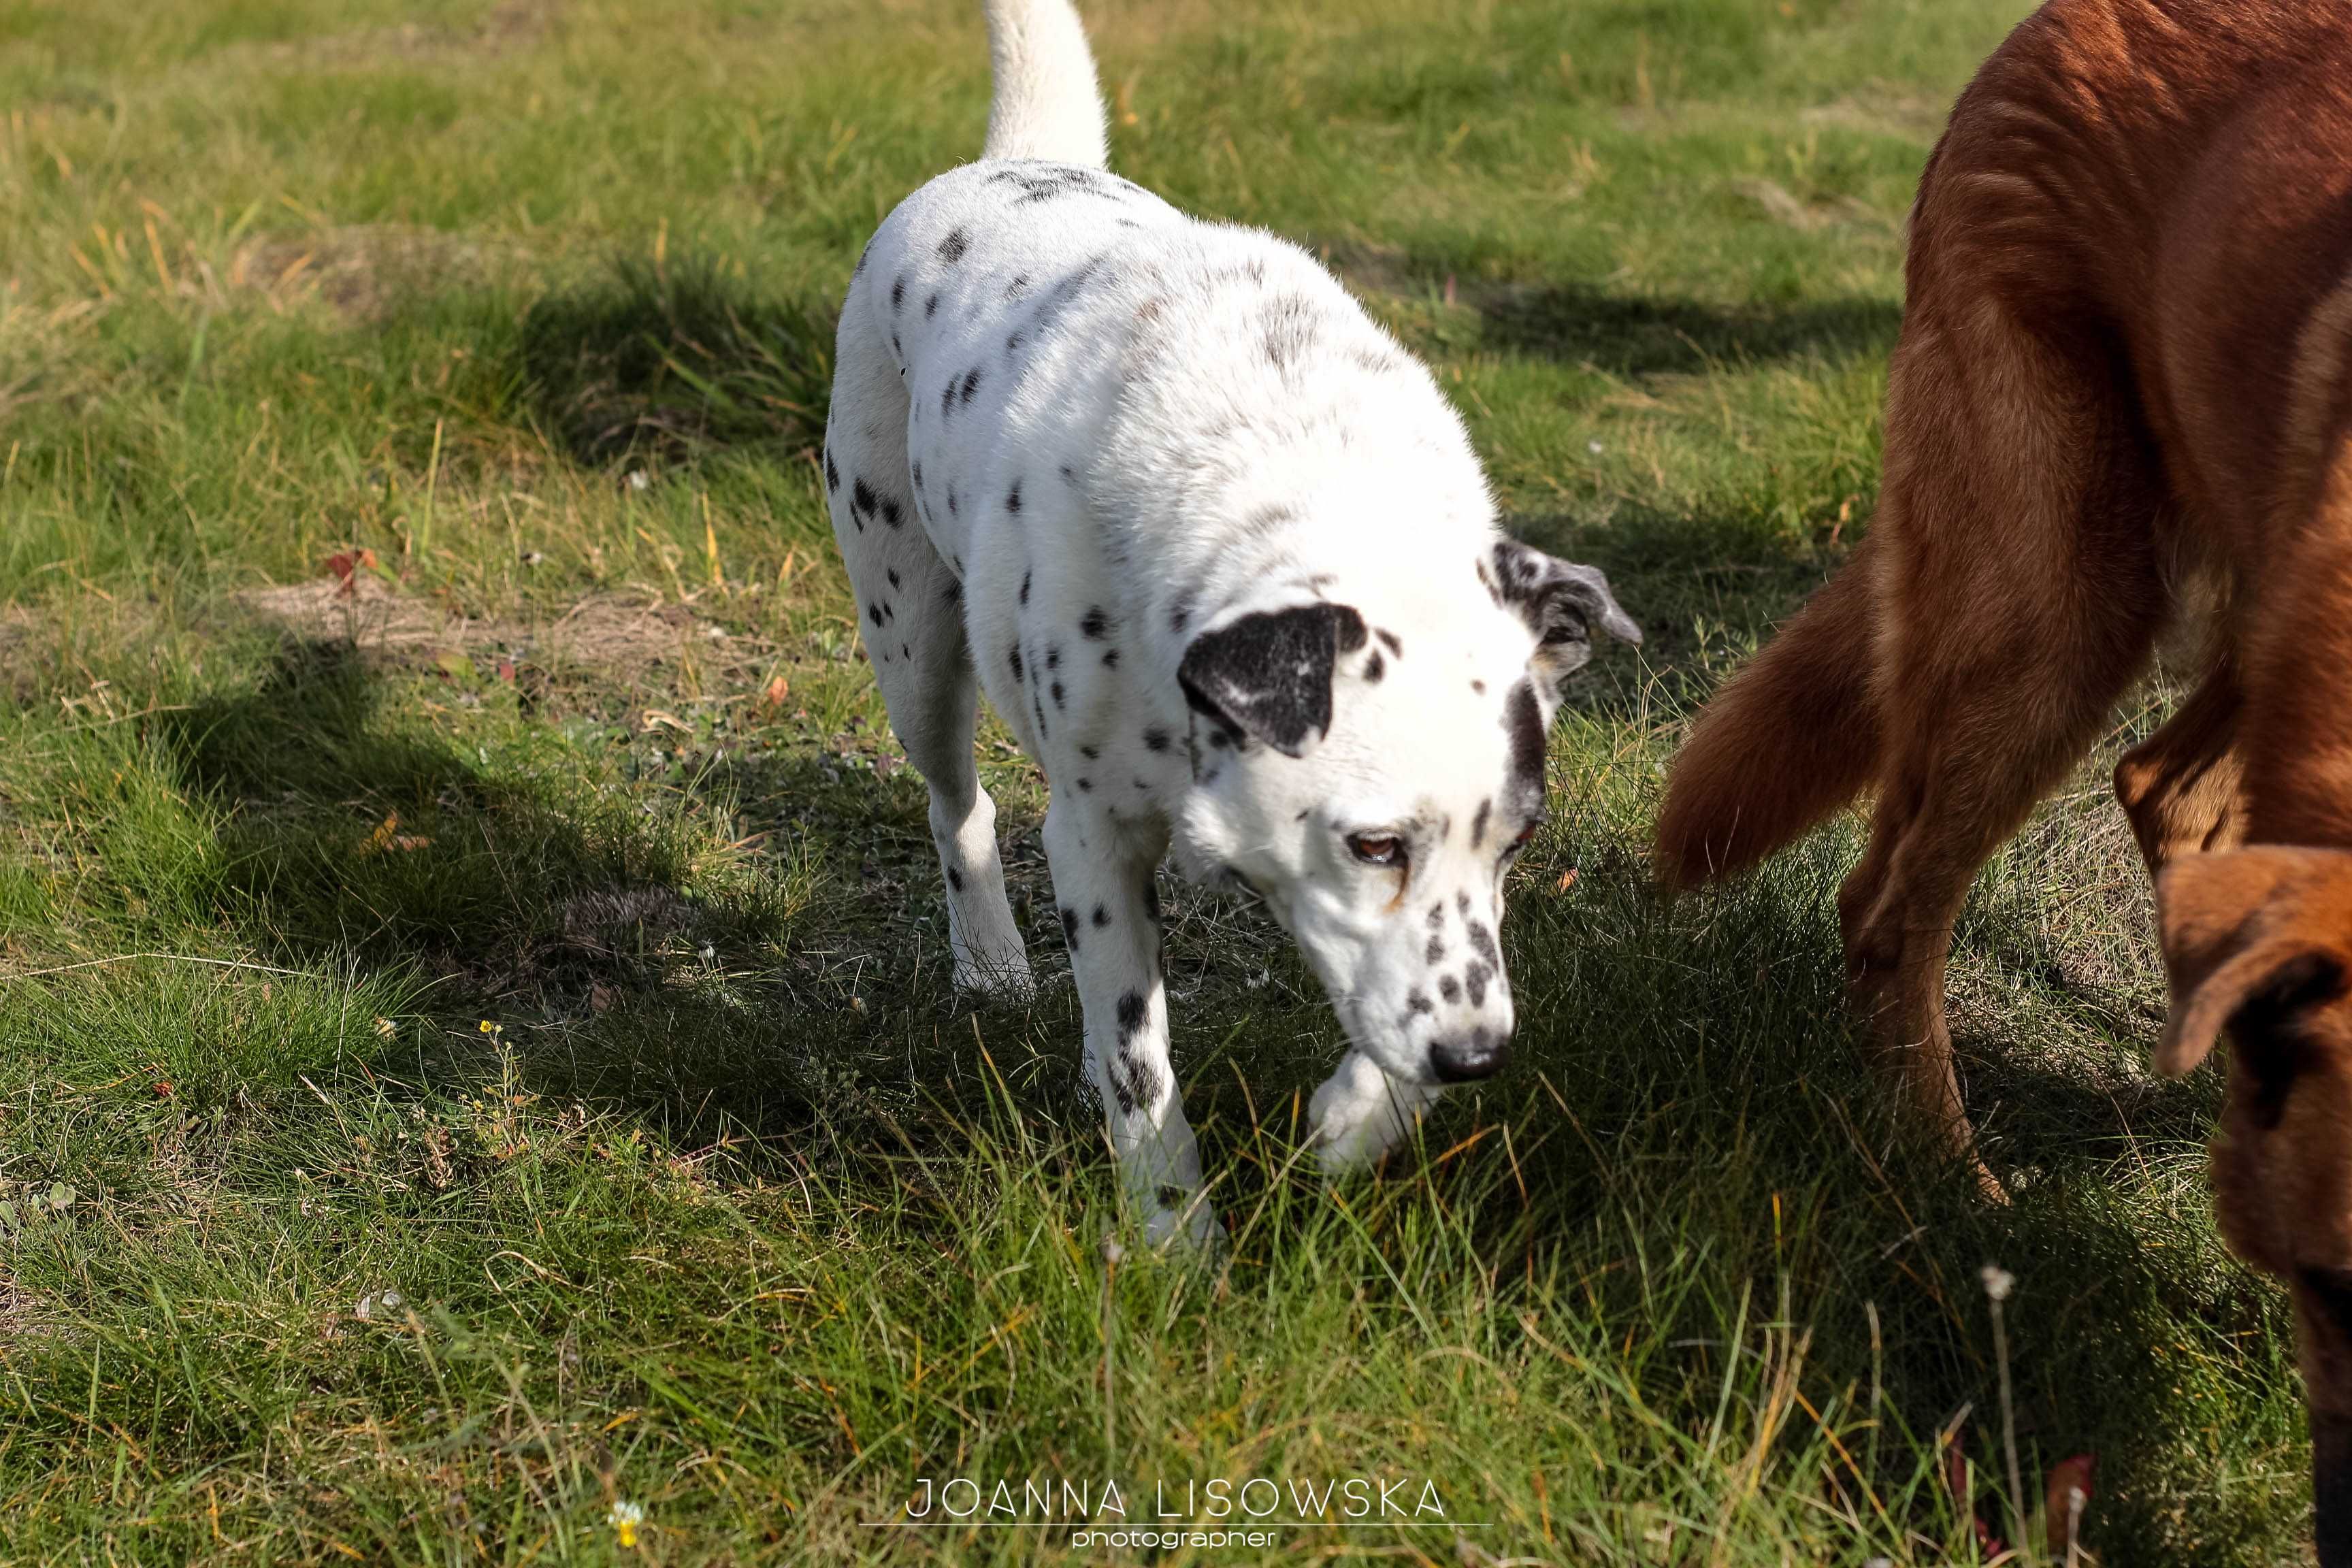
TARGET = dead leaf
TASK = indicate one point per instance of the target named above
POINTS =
(345, 564)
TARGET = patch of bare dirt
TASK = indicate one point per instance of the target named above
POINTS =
(1914, 116)
(1784, 207)
(605, 633)
(511, 25)
(358, 270)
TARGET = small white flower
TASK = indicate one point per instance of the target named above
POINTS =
(1595, 448)
(639, 480)
(625, 1517)
(1998, 1281)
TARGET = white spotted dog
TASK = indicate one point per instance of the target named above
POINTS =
(1222, 558)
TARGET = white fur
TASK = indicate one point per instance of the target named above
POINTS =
(1073, 431)
(1045, 103)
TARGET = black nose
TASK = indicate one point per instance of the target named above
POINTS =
(1476, 1054)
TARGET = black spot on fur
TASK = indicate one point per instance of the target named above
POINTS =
(1018, 673)
(831, 474)
(1436, 917)
(1110, 659)
(1012, 498)
(1450, 988)
(1095, 624)
(1133, 1012)
(874, 613)
(1292, 329)
(1155, 740)
(917, 471)
(951, 501)
(861, 497)
(1180, 614)
(1474, 980)
(952, 248)
(1070, 929)
(1102, 917)
(1478, 824)
(1086, 786)
(1057, 695)
(891, 514)
(1462, 902)
(1012, 342)
(1395, 647)
(955, 879)
(932, 307)
(1482, 942)
(1024, 588)
(971, 384)
(1523, 788)
(947, 401)
(1435, 951)
(1053, 658)
(1374, 668)
(1418, 1002)
(898, 292)
(1091, 753)
(893, 574)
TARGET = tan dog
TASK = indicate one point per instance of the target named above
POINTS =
(2124, 372)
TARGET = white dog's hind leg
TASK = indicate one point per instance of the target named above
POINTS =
(1359, 1112)
(910, 613)
(1110, 917)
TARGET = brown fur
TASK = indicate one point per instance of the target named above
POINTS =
(2125, 367)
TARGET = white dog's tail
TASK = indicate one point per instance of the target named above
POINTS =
(1047, 103)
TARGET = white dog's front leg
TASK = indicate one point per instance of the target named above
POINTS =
(1359, 1112)
(1111, 917)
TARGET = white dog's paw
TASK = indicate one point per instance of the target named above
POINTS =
(1187, 1224)
(1359, 1113)
(1003, 978)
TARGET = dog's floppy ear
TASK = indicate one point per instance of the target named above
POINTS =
(2252, 938)
(1268, 675)
(1561, 602)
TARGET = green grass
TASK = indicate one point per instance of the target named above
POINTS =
(546, 931)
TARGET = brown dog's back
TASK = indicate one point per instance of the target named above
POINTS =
(2156, 198)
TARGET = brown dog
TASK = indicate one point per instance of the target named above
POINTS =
(2123, 386)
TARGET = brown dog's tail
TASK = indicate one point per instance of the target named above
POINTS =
(1792, 738)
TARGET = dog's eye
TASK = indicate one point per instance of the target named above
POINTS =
(1377, 849)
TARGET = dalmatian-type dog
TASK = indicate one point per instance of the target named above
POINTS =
(1221, 555)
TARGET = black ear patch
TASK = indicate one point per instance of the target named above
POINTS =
(1561, 602)
(1268, 675)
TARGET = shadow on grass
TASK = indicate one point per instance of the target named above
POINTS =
(1687, 1114)
(1636, 336)
(661, 358)
(1640, 337)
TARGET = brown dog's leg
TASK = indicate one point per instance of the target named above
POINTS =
(2179, 786)
(2021, 597)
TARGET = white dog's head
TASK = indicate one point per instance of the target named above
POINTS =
(1374, 782)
